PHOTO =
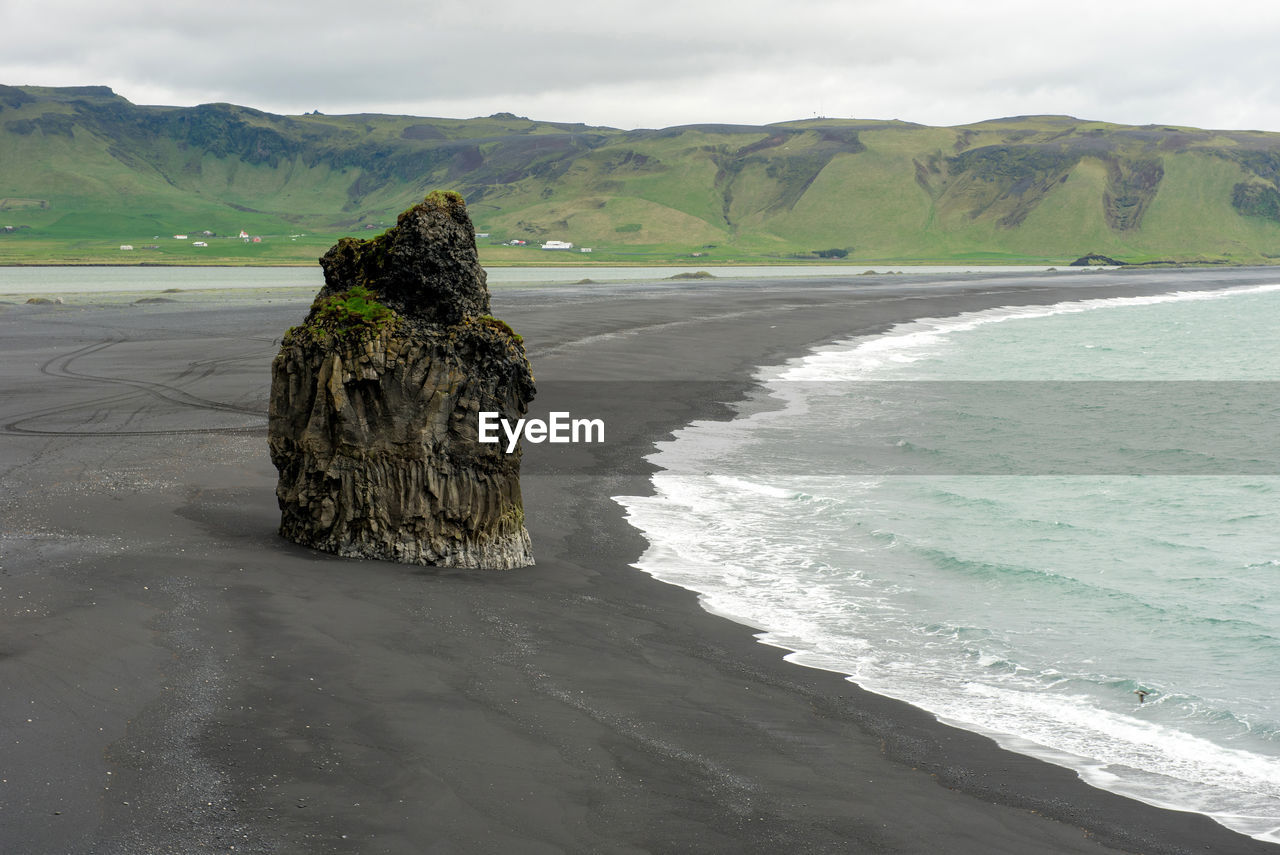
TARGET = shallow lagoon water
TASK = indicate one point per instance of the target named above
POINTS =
(24, 282)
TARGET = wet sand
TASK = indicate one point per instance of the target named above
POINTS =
(176, 678)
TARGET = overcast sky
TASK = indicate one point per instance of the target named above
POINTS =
(657, 63)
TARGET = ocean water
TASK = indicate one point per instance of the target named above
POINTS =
(1016, 519)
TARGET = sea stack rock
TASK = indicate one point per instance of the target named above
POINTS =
(375, 403)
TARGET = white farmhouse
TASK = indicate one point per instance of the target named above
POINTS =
(557, 244)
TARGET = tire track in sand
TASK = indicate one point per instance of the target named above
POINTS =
(60, 367)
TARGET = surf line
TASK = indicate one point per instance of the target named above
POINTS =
(557, 427)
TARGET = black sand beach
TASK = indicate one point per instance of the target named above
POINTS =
(175, 678)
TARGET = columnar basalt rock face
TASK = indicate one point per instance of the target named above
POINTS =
(375, 403)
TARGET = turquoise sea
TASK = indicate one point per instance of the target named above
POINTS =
(1017, 519)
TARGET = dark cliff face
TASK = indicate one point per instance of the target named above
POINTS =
(425, 268)
(375, 404)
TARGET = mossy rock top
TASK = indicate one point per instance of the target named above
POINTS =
(424, 268)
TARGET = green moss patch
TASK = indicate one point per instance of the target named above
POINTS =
(354, 314)
(501, 326)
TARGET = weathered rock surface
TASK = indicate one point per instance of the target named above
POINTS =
(425, 269)
(374, 414)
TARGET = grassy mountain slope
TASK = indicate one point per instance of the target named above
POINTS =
(83, 171)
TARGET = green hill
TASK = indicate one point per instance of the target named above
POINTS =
(83, 171)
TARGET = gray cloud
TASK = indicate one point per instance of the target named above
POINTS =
(662, 62)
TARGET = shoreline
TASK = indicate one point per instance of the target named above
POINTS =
(177, 675)
(1060, 266)
(686, 460)
(1106, 821)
